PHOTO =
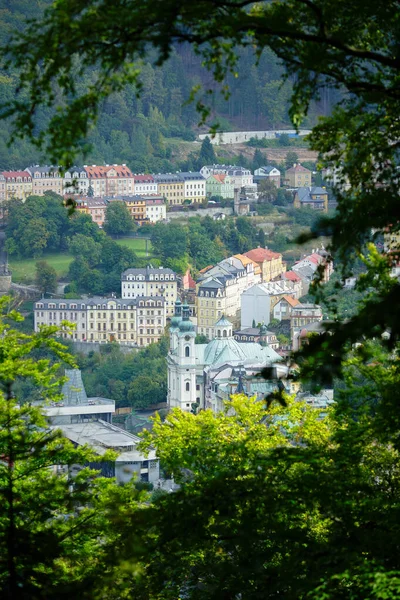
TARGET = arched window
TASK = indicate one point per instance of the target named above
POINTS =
(219, 333)
(187, 351)
(187, 386)
(224, 333)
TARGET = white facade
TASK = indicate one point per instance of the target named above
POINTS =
(150, 282)
(255, 306)
(145, 185)
(156, 210)
(76, 181)
(240, 177)
(239, 137)
(194, 187)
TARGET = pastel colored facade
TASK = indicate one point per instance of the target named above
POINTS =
(298, 176)
(156, 209)
(95, 207)
(240, 176)
(220, 185)
(308, 266)
(144, 185)
(46, 179)
(283, 309)
(110, 180)
(296, 281)
(150, 282)
(194, 186)
(171, 187)
(270, 173)
(15, 184)
(311, 197)
(135, 204)
(302, 316)
(137, 322)
(76, 181)
(271, 263)
(257, 302)
(205, 375)
(208, 170)
(219, 290)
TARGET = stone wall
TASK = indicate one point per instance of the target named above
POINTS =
(203, 212)
(240, 137)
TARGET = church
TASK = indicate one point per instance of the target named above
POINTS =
(204, 376)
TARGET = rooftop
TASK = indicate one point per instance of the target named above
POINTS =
(261, 254)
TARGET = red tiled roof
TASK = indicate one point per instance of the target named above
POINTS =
(292, 276)
(10, 174)
(315, 258)
(144, 178)
(206, 269)
(290, 300)
(261, 254)
(220, 177)
(298, 169)
(95, 172)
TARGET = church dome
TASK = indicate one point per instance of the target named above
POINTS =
(227, 349)
(177, 318)
(186, 325)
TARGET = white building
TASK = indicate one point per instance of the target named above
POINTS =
(156, 209)
(209, 170)
(194, 186)
(240, 137)
(270, 173)
(76, 181)
(240, 177)
(151, 282)
(205, 375)
(257, 302)
(145, 185)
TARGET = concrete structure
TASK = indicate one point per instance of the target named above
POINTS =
(155, 209)
(297, 176)
(240, 137)
(241, 205)
(170, 186)
(136, 322)
(46, 179)
(87, 421)
(144, 185)
(76, 181)
(149, 281)
(110, 180)
(269, 173)
(302, 317)
(257, 302)
(205, 375)
(194, 186)
(311, 197)
(271, 263)
(219, 290)
(15, 184)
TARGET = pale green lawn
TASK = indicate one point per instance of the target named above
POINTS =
(137, 245)
(23, 270)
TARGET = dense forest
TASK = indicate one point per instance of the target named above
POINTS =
(142, 132)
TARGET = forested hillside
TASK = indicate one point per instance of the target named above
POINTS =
(143, 133)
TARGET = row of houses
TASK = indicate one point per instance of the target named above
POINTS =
(143, 209)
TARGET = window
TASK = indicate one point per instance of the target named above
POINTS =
(187, 386)
(187, 351)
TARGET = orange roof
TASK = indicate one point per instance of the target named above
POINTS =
(206, 269)
(12, 174)
(261, 254)
(95, 172)
(297, 169)
(290, 300)
(245, 260)
(220, 177)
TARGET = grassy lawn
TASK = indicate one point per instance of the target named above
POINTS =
(23, 270)
(137, 245)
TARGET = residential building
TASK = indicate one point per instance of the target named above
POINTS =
(194, 186)
(258, 301)
(319, 259)
(76, 181)
(15, 184)
(270, 173)
(311, 197)
(219, 289)
(95, 207)
(301, 318)
(221, 185)
(240, 176)
(150, 282)
(135, 204)
(205, 375)
(283, 308)
(171, 187)
(260, 335)
(156, 209)
(111, 180)
(145, 185)
(88, 421)
(297, 176)
(46, 179)
(271, 263)
(135, 322)
(296, 281)
(209, 170)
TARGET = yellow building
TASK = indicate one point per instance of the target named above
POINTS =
(171, 187)
(298, 176)
(137, 207)
(311, 197)
(15, 184)
(271, 263)
(46, 179)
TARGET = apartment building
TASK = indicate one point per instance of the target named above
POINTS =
(304, 319)
(15, 184)
(95, 207)
(271, 263)
(311, 197)
(156, 209)
(194, 186)
(135, 204)
(240, 177)
(46, 179)
(219, 185)
(298, 176)
(135, 322)
(171, 187)
(268, 173)
(76, 181)
(145, 185)
(110, 180)
(149, 282)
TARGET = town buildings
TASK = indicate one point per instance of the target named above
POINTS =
(136, 206)
(76, 181)
(271, 263)
(258, 301)
(144, 185)
(240, 177)
(110, 180)
(283, 308)
(15, 184)
(94, 207)
(298, 176)
(311, 197)
(220, 185)
(150, 281)
(156, 209)
(171, 187)
(134, 322)
(219, 290)
(205, 375)
(302, 317)
(269, 173)
(261, 335)
(46, 179)
(194, 187)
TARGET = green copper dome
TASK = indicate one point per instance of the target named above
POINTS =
(177, 318)
(186, 324)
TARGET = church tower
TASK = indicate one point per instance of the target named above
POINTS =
(182, 370)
